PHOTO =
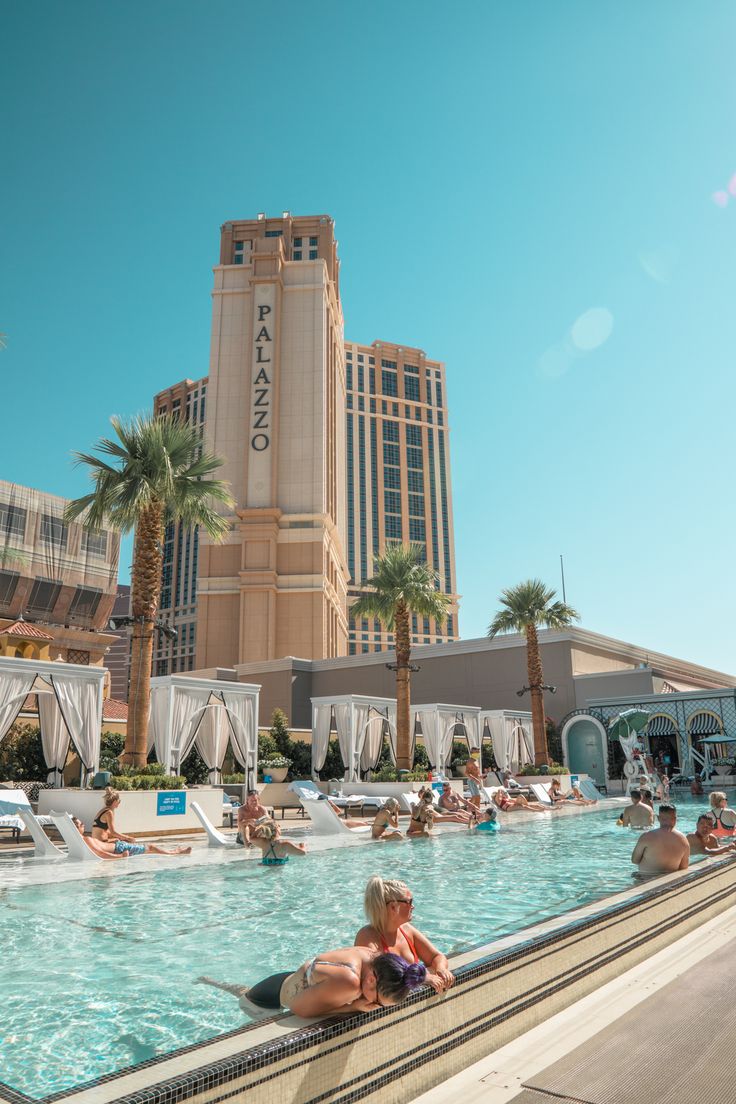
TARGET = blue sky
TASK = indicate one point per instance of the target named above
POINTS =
(496, 172)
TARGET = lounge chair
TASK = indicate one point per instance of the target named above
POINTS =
(77, 849)
(589, 789)
(540, 791)
(309, 791)
(325, 821)
(214, 838)
(13, 804)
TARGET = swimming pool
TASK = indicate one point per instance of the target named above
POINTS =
(100, 974)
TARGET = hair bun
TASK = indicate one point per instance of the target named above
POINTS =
(415, 974)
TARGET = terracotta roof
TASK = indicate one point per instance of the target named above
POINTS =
(114, 710)
(25, 630)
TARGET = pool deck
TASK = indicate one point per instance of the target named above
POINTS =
(661, 1033)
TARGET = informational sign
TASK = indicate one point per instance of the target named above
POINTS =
(171, 803)
(263, 366)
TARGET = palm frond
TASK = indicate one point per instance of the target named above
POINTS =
(530, 603)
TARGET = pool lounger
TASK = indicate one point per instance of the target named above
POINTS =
(15, 806)
(214, 838)
(77, 849)
(589, 789)
(308, 791)
(325, 821)
(540, 791)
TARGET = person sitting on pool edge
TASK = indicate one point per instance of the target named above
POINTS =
(663, 850)
(106, 849)
(351, 979)
(276, 851)
(389, 906)
(460, 809)
(422, 815)
(576, 795)
(555, 792)
(703, 841)
(103, 826)
(386, 823)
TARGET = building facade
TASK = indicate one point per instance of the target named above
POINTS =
(58, 582)
(331, 449)
(118, 657)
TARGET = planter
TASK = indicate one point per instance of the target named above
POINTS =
(276, 774)
(459, 770)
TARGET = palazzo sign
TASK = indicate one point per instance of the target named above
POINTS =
(260, 430)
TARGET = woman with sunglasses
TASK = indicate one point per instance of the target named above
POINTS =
(389, 906)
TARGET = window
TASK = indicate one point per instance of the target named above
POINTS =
(77, 655)
(438, 393)
(43, 595)
(8, 583)
(349, 376)
(12, 521)
(361, 378)
(240, 251)
(392, 502)
(391, 477)
(350, 402)
(391, 454)
(416, 481)
(312, 241)
(53, 530)
(297, 254)
(391, 431)
(94, 544)
(297, 243)
(411, 369)
(414, 457)
(389, 383)
(393, 527)
(414, 435)
(391, 364)
(416, 505)
(411, 388)
(417, 530)
(274, 233)
(361, 402)
(313, 254)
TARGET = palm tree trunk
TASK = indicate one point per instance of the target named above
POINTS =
(403, 693)
(146, 589)
(536, 678)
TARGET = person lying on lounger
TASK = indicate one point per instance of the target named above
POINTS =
(389, 906)
(276, 851)
(352, 822)
(703, 840)
(351, 979)
(120, 849)
(386, 824)
(507, 804)
(576, 796)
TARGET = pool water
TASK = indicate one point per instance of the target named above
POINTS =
(100, 974)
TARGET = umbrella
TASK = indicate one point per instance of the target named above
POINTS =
(718, 740)
(631, 720)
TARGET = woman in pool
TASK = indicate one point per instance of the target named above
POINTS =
(122, 849)
(724, 819)
(422, 815)
(276, 851)
(352, 979)
(389, 906)
(507, 804)
(386, 824)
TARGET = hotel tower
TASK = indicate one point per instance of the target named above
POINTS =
(331, 450)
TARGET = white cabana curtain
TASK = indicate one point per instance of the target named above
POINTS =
(430, 723)
(522, 746)
(351, 719)
(321, 722)
(344, 726)
(472, 729)
(360, 736)
(81, 707)
(213, 737)
(446, 732)
(242, 722)
(179, 738)
(54, 736)
(391, 715)
(501, 750)
(373, 742)
(13, 691)
(158, 722)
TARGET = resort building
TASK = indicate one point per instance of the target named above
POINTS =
(118, 657)
(58, 582)
(332, 450)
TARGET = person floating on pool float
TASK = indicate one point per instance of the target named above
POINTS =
(276, 851)
(104, 831)
(389, 905)
(723, 818)
(703, 841)
(106, 849)
(507, 804)
(663, 850)
(351, 979)
(386, 823)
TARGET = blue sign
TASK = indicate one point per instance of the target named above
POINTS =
(171, 803)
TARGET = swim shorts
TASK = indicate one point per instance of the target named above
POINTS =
(121, 846)
(473, 788)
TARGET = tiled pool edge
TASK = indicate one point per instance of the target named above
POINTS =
(505, 988)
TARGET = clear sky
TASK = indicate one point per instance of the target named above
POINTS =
(536, 193)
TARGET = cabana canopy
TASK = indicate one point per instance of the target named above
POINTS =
(511, 735)
(438, 723)
(209, 712)
(360, 721)
(69, 708)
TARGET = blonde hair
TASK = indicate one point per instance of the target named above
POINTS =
(378, 895)
(391, 804)
(111, 796)
(716, 798)
(267, 830)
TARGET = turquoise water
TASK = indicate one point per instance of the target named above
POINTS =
(100, 974)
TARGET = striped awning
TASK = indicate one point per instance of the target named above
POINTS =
(661, 726)
(704, 724)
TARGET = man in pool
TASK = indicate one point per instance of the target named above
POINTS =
(637, 815)
(703, 842)
(663, 850)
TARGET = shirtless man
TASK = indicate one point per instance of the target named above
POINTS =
(637, 815)
(663, 850)
(474, 778)
(703, 842)
(250, 813)
(452, 803)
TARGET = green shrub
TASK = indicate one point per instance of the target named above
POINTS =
(267, 746)
(112, 746)
(233, 779)
(194, 769)
(459, 754)
(21, 755)
(147, 781)
(552, 769)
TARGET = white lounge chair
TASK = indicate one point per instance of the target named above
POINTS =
(541, 794)
(16, 812)
(214, 838)
(589, 789)
(309, 791)
(325, 821)
(77, 849)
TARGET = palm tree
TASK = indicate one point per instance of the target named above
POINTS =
(402, 584)
(158, 474)
(528, 607)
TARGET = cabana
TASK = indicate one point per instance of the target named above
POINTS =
(361, 721)
(439, 723)
(511, 736)
(209, 712)
(69, 698)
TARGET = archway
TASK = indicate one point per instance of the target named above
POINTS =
(585, 748)
(664, 742)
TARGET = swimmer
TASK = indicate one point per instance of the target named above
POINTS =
(703, 841)
(275, 851)
(488, 822)
(637, 814)
(386, 823)
(723, 819)
(663, 850)
(351, 979)
(389, 906)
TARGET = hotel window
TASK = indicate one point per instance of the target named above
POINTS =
(414, 457)
(54, 531)
(389, 383)
(395, 409)
(414, 435)
(372, 380)
(429, 392)
(240, 251)
(94, 544)
(393, 527)
(350, 402)
(417, 530)
(371, 360)
(85, 602)
(391, 454)
(416, 481)
(349, 376)
(391, 364)
(416, 505)
(440, 418)
(297, 255)
(361, 378)
(361, 358)
(361, 402)
(274, 233)
(411, 369)
(313, 254)
(8, 583)
(43, 595)
(392, 502)
(411, 388)
(392, 477)
(438, 393)
(391, 431)
(12, 521)
(348, 354)
(297, 243)
(312, 241)
(373, 406)
(384, 408)
(450, 624)
(79, 656)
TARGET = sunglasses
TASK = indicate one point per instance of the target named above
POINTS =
(404, 901)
